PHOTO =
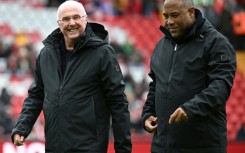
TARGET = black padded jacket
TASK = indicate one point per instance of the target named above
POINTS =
(78, 106)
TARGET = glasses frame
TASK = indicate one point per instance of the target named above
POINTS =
(71, 17)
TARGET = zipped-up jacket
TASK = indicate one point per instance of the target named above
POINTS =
(196, 74)
(78, 105)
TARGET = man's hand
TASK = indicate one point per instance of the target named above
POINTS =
(178, 116)
(151, 124)
(18, 140)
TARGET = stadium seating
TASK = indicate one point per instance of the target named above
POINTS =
(144, 31)
(235, 107)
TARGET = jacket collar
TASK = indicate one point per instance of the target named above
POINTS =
(94, 35)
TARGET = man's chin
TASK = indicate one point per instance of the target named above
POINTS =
(74, 37)
(174, 35)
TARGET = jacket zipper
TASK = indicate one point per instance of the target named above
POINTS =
(175, 47)
(169, 79)
(171, 69)
(56, 48)
(96, 133)
(60, 93)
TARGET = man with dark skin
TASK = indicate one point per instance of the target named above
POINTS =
(192, 70)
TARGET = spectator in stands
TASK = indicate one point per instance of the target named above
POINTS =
(54, 3)
(238, 20)
(147, 7)
(6, 122)
(5, 97)
(225, 26)
(119, 7)
(241, 133)
(4, 52)
(78, 85)
(192, 69)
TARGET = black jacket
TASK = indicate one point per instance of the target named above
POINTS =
(77, 106)
(195, 74)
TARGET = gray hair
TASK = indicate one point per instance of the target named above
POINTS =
(186, 3)
(68, 3)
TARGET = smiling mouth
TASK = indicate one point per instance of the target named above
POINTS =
(72, 30)
(172, 29)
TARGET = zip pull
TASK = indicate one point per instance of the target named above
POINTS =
(60, 91)
(175, 47)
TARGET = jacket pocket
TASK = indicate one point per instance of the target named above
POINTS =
(191, 134)
(78, 126)
(80, 116)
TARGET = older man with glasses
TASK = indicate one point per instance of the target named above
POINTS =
(79, 86)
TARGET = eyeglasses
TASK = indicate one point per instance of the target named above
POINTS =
(68, 19)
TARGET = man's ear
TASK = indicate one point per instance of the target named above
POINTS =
(58, 23)
(191, 11)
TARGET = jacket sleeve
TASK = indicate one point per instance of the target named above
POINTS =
(149, 107)
(221, 67)
(32, 106)
(114, 87)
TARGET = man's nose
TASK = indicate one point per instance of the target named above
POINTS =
(71, 21)
(170, 21)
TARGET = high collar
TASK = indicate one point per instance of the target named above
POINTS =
(94, 35)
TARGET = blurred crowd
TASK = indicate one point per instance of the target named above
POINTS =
(107, 7)
(17, 56)
(16, 63)
(228, 16)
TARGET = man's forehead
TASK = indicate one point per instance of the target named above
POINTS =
(171, 9)
(70, 7)
(68, 11)
(173, 3)
(173, 6)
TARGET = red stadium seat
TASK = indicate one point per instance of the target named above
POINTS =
(5, 30)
